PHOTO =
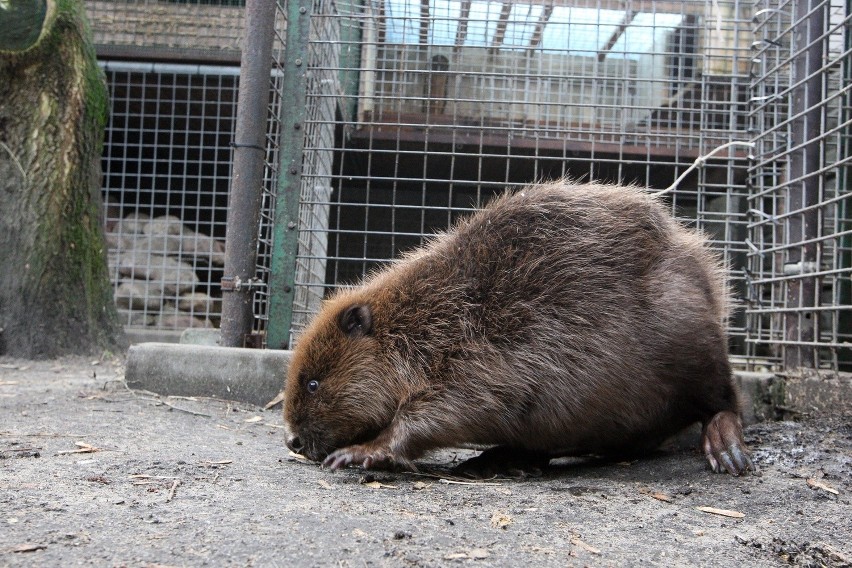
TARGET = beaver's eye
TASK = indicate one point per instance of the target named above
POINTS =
(313, 386)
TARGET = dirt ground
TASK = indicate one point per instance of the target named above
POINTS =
(94, 474)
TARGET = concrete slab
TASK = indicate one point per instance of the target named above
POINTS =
(257, 376)
(247, 375)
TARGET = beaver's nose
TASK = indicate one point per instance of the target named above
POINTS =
(295, 444)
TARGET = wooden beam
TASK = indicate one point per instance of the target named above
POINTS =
(539, 27)
(461, 31)
(424, 23)
(502, 23)
(619, 31)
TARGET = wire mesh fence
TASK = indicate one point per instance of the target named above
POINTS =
(800, 225)
(166, 171)
(391, 118)
(453, 102)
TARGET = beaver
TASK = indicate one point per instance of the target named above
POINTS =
(562, 319)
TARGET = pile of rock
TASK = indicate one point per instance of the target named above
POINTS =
(155, 265)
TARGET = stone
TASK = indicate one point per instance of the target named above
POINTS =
(181, 321)
(135, 318)
(117, 241)
(133, 223)
(138, 295)
(172, 276)
(199, 303)
(164, 225)
(204, 247)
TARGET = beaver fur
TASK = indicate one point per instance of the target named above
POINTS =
(562, 319)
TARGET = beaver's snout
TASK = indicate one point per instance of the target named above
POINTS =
(295, 444)
(312, 447)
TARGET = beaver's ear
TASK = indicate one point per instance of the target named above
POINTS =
(356, 320)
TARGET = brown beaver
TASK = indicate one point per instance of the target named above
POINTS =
(565, 319)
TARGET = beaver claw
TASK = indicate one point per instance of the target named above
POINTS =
(366, 457)
(723, 444)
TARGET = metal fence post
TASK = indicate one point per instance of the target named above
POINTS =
(244, 199)
(285, 238)
(804, 185)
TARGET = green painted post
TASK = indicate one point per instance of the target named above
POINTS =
(285, 236)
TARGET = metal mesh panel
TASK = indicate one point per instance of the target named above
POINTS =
(443, 104)
(166, 176)
(271, 170)
(800, 226)
(183, 28)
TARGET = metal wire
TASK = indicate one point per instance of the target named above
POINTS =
(453, 102)
(799, 262)
(420, 112)
(166, 171)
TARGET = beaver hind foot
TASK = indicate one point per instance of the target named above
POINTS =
(723, 444)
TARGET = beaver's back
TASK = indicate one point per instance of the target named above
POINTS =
(585, 314)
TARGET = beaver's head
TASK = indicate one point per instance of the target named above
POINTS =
(342, 385)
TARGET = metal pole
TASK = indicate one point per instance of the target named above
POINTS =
(802, 259)
(285, 232)
(244, 200)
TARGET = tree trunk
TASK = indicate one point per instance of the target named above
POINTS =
(55, 294)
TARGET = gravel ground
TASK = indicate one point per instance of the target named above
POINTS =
(92, 473)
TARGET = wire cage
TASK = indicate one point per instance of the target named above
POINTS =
(172, 70)
(429, 109)
(389, 119)
(800, 227)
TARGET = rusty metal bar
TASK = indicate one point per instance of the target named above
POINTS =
(802, 195)
(247, 176)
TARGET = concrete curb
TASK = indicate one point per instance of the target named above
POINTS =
(255, 376)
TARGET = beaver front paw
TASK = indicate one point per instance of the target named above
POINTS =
(723, 444)
(368, 457)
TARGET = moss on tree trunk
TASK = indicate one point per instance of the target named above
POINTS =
(55, 294)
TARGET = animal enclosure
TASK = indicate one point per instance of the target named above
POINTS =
(409, 114)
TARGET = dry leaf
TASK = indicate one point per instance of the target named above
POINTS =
(500, 521)
(254, 419)
(456, 482)
(472, 554)
(820, 485)
(419, 485)
(722, 512)
(377, 485)
(661, 497)
(274, 401)
(587, 547)
(324, 484)
(82, 448)
(298, 457)
(4, 383)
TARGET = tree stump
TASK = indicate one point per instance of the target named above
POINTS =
(55, 295)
